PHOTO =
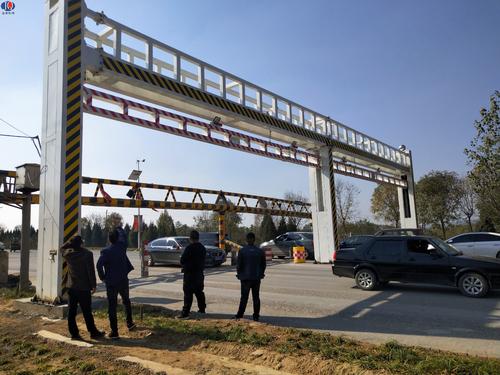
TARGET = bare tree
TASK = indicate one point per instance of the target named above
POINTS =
(346, 195)
(296, 197)
(467, 199)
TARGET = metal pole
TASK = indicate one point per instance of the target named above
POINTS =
(413, 186)
(144, 270)
(24, 277)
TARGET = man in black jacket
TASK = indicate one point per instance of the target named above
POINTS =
(113, 268)
(193, 264)
(250, 270)
(81, 284)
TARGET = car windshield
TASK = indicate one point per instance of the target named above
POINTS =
(209, 239)
(183, 242)
(308, 236)
(447, 248)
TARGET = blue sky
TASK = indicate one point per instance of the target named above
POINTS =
(406, 72)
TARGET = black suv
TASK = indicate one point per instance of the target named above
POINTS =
(416, 259)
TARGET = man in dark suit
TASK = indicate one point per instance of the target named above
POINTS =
(250, 269)
(81, 285)
(113, 268)
(193, 264)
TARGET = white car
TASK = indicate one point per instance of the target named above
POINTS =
(477, 244)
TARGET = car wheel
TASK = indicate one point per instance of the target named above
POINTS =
(151, 262)
(366, 279)
(473, 285)
(498, 255)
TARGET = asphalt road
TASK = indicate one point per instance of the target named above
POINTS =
(309, 296)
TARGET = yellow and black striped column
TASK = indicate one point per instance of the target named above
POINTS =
(222, 231)
(333, 198)
(72, 140)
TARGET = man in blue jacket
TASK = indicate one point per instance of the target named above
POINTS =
(113, 268)
(250, 270)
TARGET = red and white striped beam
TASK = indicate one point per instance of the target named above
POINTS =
(181, 125)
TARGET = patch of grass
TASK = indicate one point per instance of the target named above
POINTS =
(14, 293)
(391, 357)
(86, 366)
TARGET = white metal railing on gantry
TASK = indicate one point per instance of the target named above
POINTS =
(126, 44)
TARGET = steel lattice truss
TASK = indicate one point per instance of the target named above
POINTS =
(202, 199)
(172, 123)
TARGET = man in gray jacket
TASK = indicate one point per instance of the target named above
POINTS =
(250, 270)
(81, 284)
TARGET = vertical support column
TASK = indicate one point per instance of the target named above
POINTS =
(406, 199)
(24, 272)
(60, 182)
(323, 207)
(222, 231)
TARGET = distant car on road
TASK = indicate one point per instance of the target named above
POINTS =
(400, 232)
(416, 259)
(15, 245)
(355, 241)
(282, 246)
(168, 250)
(477, 244)
(209, 239)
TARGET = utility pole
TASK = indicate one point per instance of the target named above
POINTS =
(136, 175)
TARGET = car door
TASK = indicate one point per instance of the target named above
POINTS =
(464, 243)
(385, 256)
(170, 247)
(153, 249)
(160, 250)
(423, 262)
(487, 244)
(176, 252)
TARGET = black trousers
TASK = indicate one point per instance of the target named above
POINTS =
(112, 292)
(246, 286)
(84, 299)
(193, 284)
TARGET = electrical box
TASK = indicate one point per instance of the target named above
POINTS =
(28, 178)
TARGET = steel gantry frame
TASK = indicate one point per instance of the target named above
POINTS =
(84, 47)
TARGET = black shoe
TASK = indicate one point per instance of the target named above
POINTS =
(114, 336)
(97, 335)
(182, 316)
(132, 326)
(202, 311)
(236, 317)
(256, 318)
(77, 338)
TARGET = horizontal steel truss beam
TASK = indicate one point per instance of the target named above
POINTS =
(180, 125)
(132, 203)
(232, 139)
(293, 208)
(196, 96)
(247, 99)
(95, 201)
